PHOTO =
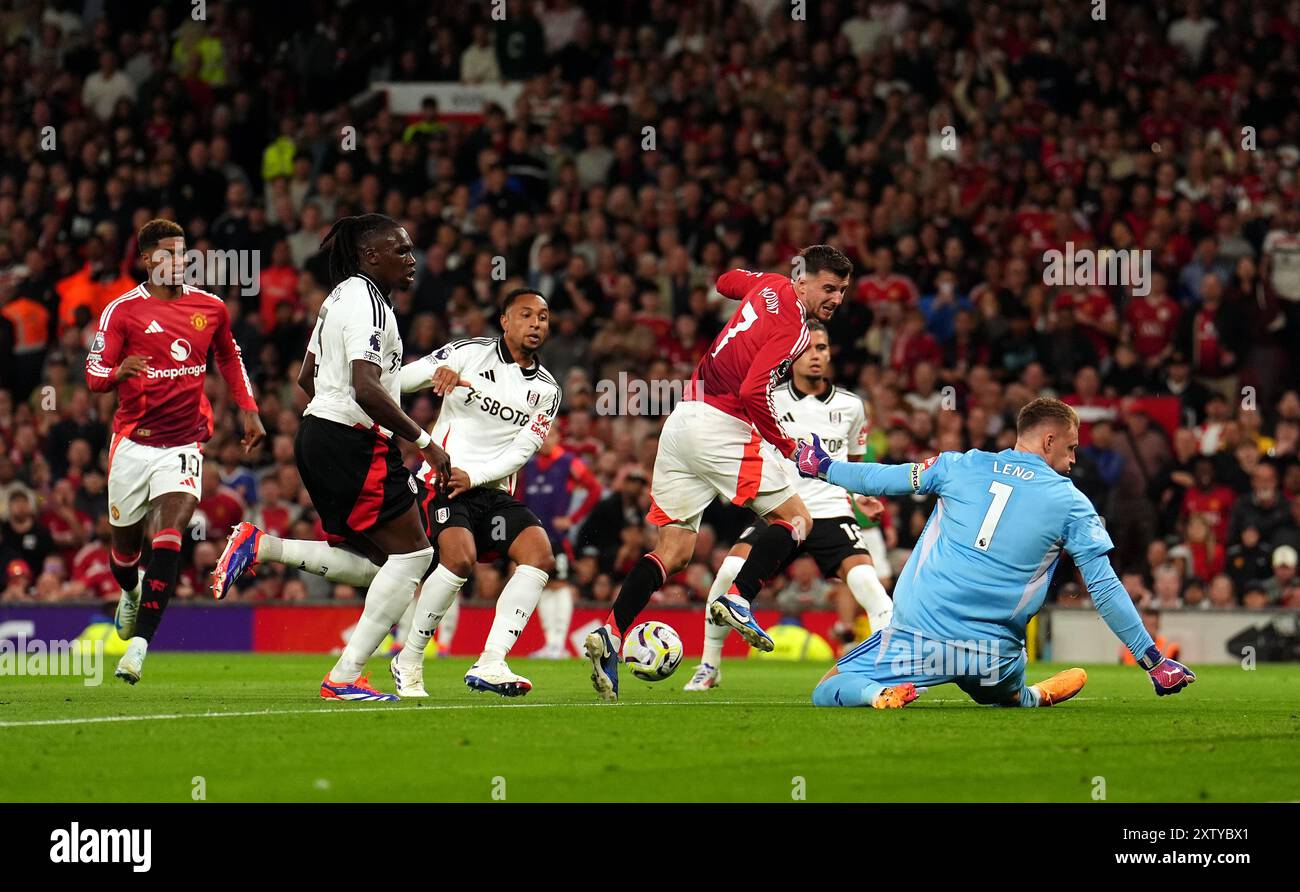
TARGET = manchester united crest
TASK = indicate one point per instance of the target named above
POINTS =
(199, 321)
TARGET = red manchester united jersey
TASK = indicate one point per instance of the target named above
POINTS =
(765, 336)
(165, 405)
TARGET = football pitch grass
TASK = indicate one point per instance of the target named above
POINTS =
(252, 728)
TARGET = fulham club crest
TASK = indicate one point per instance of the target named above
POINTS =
(442, 515)
(533, 397)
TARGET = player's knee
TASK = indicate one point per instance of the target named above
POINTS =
(543, 560)
(825, 693)
(414, 563)
(458, 564)
(674, 561)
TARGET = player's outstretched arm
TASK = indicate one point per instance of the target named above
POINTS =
(867, 478)
(1116, 608)
(734, 284)
(420, 375)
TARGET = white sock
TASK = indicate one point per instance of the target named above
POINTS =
(715, 635)
(318, 558)
(864, 583)
(517, 602)
(447, 628)
(555, 609)
(404, 623)
(390, 590)
(437, 596)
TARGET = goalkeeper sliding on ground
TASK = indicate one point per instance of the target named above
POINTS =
(981, 569)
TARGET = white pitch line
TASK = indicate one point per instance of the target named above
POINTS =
(342, 709)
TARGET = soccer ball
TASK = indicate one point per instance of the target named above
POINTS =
(652, 651)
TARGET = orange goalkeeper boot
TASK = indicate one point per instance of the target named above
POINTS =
(1061, 687)
(896, 697)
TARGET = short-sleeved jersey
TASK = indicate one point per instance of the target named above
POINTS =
(986, 556)
(355, 322)
(838, 420)
(756, 349)
(165, 405)
(493, 427)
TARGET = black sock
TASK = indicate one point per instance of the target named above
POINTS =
(768, 552)
(159, 582)
(646, 575)
(126, 572)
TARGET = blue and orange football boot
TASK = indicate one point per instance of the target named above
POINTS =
(239, 554)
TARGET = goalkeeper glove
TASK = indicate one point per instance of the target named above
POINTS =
(1167, 676)
(811, 459)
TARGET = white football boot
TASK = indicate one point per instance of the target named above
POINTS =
(706, 678)
(408, 679)
(495, 676)
(131, 665)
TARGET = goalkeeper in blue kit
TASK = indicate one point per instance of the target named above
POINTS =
(980, 571)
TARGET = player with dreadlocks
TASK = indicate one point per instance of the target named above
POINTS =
(347, 450)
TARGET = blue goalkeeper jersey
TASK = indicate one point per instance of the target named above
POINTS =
(984, 561)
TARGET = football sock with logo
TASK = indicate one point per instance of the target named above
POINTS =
(770, 550)
(864, 583)
(126, 570)
(318, 558)
(645, 577)
(516, 604)
(437, 595)
(159, 582)
(715, 635)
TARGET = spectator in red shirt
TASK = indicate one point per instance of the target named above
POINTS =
(1089, 402)
(1211, 335)
(1206, 549)
(91, 570)
(684, 346)
(69, 527)
(272, 513)
(1151, 323)
(913, 344)
(220, 505)
(578, 437)
(885, 285)
(278, 284)
(1209, 499)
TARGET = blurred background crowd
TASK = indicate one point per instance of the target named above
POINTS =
(944, 146)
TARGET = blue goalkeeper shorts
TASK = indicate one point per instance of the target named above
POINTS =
(990, 673)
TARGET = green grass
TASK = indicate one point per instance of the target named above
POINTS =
(1233, 736)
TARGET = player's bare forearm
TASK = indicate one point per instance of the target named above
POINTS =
(307, 375)
(376, 402)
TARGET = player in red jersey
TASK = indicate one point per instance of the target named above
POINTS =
(725, 440)
(152, 348)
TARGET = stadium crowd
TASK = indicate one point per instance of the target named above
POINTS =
(944, 146)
